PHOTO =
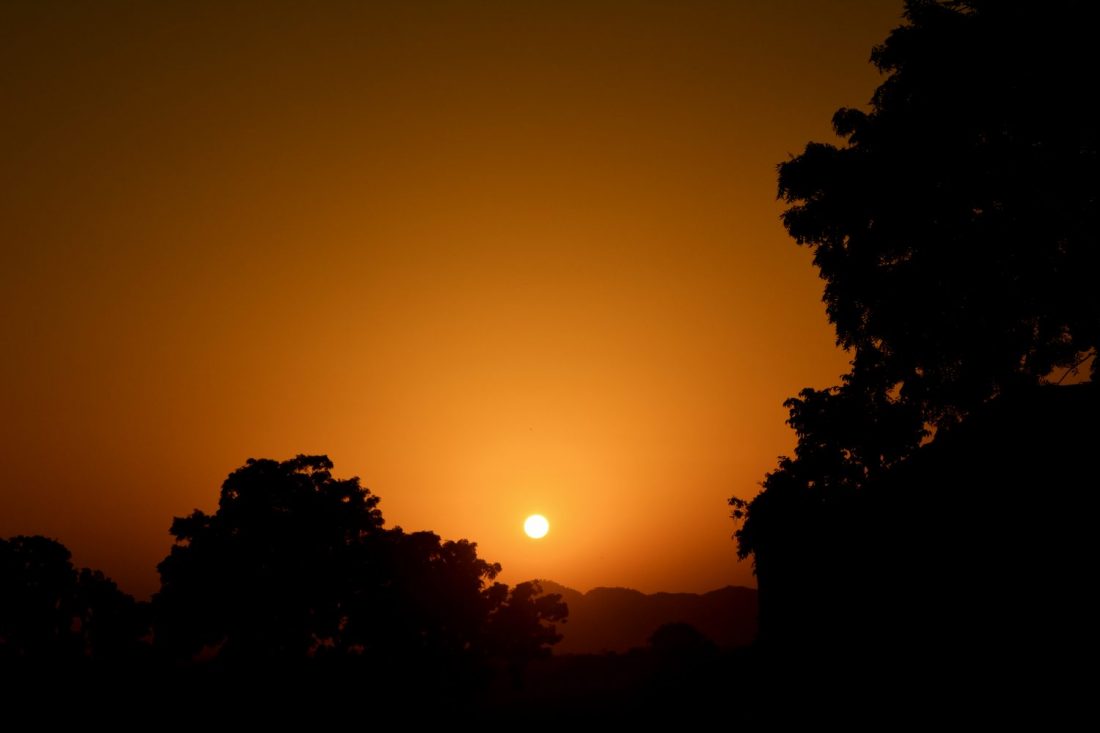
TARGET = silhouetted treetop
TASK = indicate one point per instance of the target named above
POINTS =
(50, 612)
(265, 575)
(956, 231)
(847, 436)
(296, 564)
(956, 228)
(263, 494)
(522, 626)
(418, 595)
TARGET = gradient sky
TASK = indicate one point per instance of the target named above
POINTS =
(494, 258)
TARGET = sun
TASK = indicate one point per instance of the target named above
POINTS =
(536, 526)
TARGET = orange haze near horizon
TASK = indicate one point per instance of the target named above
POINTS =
(494, 258)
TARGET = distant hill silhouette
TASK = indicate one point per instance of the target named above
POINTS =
(619, 619)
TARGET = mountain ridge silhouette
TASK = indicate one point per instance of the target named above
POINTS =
(617, 619)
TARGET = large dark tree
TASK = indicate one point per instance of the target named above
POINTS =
(52, 613)
(956, 231)
(518, 629)
(267, 574)
(296, 564)
(417, 596)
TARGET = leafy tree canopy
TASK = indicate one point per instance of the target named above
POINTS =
(296, 563)
(956, 231)
(51, 612)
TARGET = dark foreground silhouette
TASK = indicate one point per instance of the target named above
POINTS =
(293, 602)
(296, 564)
(968, 564)
(294, 585)
(929, 542)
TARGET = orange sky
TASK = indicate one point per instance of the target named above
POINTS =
(492, 257)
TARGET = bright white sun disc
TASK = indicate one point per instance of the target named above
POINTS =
(536, 526)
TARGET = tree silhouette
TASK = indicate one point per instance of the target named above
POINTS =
(296, 565)
(956, 229)
(421, 598)
(956, 232)
(266, 575)
(50, 613)
(521, 626)
(39, 592)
